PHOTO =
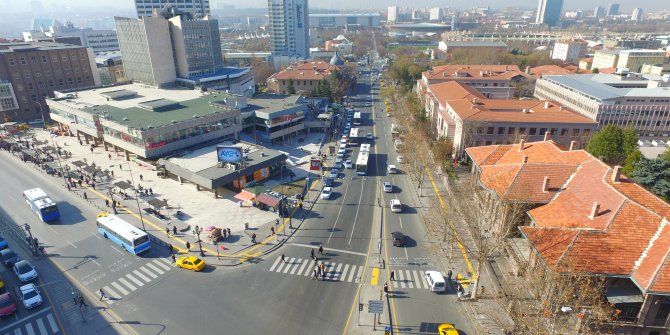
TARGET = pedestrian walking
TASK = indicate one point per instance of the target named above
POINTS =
(167, 231)
(272, 230)
(188, 246)
(80, 182)
(386, 289)
(449, 274)
(312, 255)
(81, 143)
(320, 249)
(93, 185)
(174, 230)
(141, 177)
(253, 238)
(283, 258)
(112, 172)
(151, 192)
(85, 196)
(170, 248)
(392, 275)
(225, 232)
(102, 294)
(316, 275)
(91, 149)
(82, 303)
(69, 188)
(174, 259)
(109, 156)
(229, 235)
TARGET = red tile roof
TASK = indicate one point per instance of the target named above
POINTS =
(629, 235)
(306, 70)
(468, 72)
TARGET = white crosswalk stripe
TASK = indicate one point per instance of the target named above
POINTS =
(305, 267)
(162, 264)
(154, 268)
(41, 327)
(36, 326)
(410, 279)
(135, 280)
(124, 285)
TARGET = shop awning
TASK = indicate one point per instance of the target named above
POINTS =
(624, 295)
(245, 196)
(158, 203)
(268, 199)
(79, 164)
(123, 185)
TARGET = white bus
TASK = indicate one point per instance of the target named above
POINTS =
(357, 118)
(353, 137)
(362, 163)
(365, 147)
(129, 237)
(41, 204)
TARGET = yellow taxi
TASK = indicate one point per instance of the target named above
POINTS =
(447, 329)
(191, 263)
(386, 102)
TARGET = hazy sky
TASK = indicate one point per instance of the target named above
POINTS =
(626, 5)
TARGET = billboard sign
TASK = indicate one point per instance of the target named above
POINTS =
(228, 154)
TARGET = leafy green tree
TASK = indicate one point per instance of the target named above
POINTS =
(629, 144)
(653, 174)
(632, 158)
(665, 155)
(607, 143)
(595, 70)
(290, 88)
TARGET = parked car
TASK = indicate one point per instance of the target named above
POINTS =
(326, 192)
(334, 173)
(3, 243)
(9, 257)
(340, 153)
(30, 296)
(25, 271)
(400, 159)
(369, 136)
(329, 181)
(398, 239)
(387, 186)
(348, 164)
(7, 305)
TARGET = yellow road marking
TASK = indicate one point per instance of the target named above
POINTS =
(374, 279)
(462, 280)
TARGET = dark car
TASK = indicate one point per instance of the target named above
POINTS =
(8, 257)
(329, 182)
(398, 239)
(7, 305)
(3, 243)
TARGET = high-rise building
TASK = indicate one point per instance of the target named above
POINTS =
(613, 9)
(32, 71)
(637, 14)
(549, 12)
(197, 8)
(289, 27)
(598, 12)
(436, 14)
(569, 51)
(196, 46)
(393, 13)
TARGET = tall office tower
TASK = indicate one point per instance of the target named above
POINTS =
(196, 46)
(436, 14)
(393, 13)
(612, 9)
(197, 8)
(637, 14)
(549, 12)
(598, 12)
(289, 27)
(146, 50)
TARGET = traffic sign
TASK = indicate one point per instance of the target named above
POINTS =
(375, 306)
(360, 307)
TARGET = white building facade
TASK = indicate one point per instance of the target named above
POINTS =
(289, 28)
(569, 51)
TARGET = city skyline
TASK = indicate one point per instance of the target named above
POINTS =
(379, 5)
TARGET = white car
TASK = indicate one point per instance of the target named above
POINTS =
(25, 271)
(338, 163)
(326, 192)
(400, 159)
(369, 136)
(396, 206)
(30, 296)
(368, 104)
(340, 153)
(387, 186)
(392, 169)
(334, 173)
(348, 164)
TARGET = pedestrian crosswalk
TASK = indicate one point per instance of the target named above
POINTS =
(305, 267)
(43, 325)
(136, 279)
(409, 279)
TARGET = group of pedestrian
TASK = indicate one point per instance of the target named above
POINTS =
(320, 271)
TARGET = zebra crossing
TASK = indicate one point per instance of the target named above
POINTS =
(410, 279)
(136, 279)
(45, 325)
(305, 267)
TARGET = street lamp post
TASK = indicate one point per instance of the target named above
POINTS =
(30, 236)
(137, 197)
(198, 230)
(44, 122)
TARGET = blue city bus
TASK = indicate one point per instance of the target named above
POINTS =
(41, 204)
(129, 237)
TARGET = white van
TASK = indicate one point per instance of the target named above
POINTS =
(436, 281)
(396, 206)
(392, 169)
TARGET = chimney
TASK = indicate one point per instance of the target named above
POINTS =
(525, 159)
(474, 100)
(505, 67)
(521, 144)
(562, 108)
(546, 105)
(594, 210)
(527, 69)
(545, 184)
(573, 145)
(616, 174)
(547, 136)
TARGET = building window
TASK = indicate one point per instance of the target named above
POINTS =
(70, 81)
(488, 142)
(37, 74)
(663, 310)
(51, 83)
(533, 131)
(44, 59)
(60, 82)
(522, 130)
(11, 61)
(564, 132)
(543, 131)
(54, 59)
(23, 60)
(490, 130)
(501, 130)
(79, 80)
(41, 84)
(63, 57)
(586, 132)
(511, 131)
(33, 59)
(575, 132)
(30, 86)
(553, 131)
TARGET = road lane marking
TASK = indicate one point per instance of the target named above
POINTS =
(120, 288)
(329, 249)
(343, 276)
(97, 235)
(400, 220)
(117, 250)
(374, 280)
(135, 280)
(148, 271)
(352, 273)
(29, 328)
(162, 265)
(111, 293)
(337, 218)
(24, 319)
(357, 209)
(128, 284)
(337, 271)
(302, 268)
(155, 268)
(52, 323)
(72, 244)
(295, 268)
(139, 274)
(40, 325)
(272, 268)
(289, 264)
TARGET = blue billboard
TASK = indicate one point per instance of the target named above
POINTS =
(228, 154)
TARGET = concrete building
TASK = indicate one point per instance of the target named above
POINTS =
(198, 8)
(624, 99)
(549, 12)
(613, 9)
(477, 46)
(304, 76)
(634, 59)
(196, 46)
(625, 43)
(467, 118)
(569, 51)
(436, 14)
(393, 14)
(637, 14)
(605, 58)
(99, 40)
(289, 28)
(344, 20)
(32, 71)
(598, 12)
(492, 81)
(146, 49)
(144, 121)
(585, 218)
(110, 67)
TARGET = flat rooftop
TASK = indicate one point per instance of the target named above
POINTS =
(37, 46)
(599, 85)
(266, 104)
(138, 106)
